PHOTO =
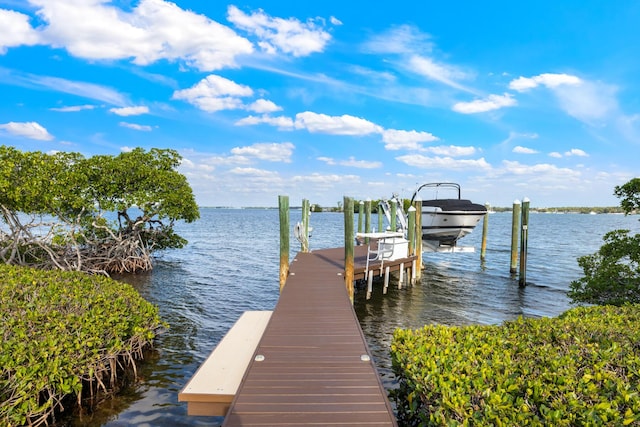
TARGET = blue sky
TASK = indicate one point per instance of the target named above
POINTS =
(320, 100)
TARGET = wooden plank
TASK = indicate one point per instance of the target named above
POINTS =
(212, 388)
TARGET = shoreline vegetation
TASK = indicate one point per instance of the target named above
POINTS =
(102, 215)
(580, 368)
(69, 340)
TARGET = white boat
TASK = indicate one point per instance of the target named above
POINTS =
(444, 221)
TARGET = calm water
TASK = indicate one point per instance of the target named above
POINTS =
(231, 265)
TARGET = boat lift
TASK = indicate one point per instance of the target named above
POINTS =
(401, 218)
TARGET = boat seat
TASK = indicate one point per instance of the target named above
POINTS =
(382, 251)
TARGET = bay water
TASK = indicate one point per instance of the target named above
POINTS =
(231, 265)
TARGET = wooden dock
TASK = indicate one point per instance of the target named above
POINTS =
(312, 365)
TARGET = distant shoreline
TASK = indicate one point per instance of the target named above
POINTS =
(551, 210)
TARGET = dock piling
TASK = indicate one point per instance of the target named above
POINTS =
(360, 215)
(515, 226)
(524, 241)
(367, 219)
(283, 205)
(485, 227)
(305, 225)
(394, 212)
(411, 237)
(348, 246)
(418, 205)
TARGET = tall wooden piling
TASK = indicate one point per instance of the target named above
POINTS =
(485, 227)
(394, 212)
(524, 241)
(411, 237)
(348, 246)
(305, 225)
(367, 219)
(360, 216)
(283, 205)
(418, 205)
(380, 218)
(515, 227)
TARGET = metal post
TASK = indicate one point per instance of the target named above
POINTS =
(515, 226)
(283, 204)
(348, 246)
(524, 242)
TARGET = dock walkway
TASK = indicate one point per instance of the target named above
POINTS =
(312, 365)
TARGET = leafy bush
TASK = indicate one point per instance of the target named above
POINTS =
(611, 275)
(65, 334)
(582, 368)
(54, 209)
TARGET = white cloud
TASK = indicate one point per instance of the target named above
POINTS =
(524, 150)
(78, 88)
(335, 21)
(540, 169)
(515, 135)
(272, 152)
(215, 93)
(143, 128)
(415, 52)
(587, 101)
(447, 163)
(326, 180)
(130, 111)
(406, 140)
(276, 34)
(629, 126)
(282, 122)
(73, 108)
(492, 102)
(263, 106)
(151, 31)
(255, 173)
(190, 165)
(443, 73)
(352, 163)
(452, 151)
(16, 30)
(374, 75)
(555, 155)
(335, 125)
(31, 130)
(404, 39)
(549, 80)
(576, 152)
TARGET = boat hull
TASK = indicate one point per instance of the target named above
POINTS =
(448, 227)
(446, 221)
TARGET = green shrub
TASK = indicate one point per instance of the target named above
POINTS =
(65, 334)
(581, 368)
(611, 275)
